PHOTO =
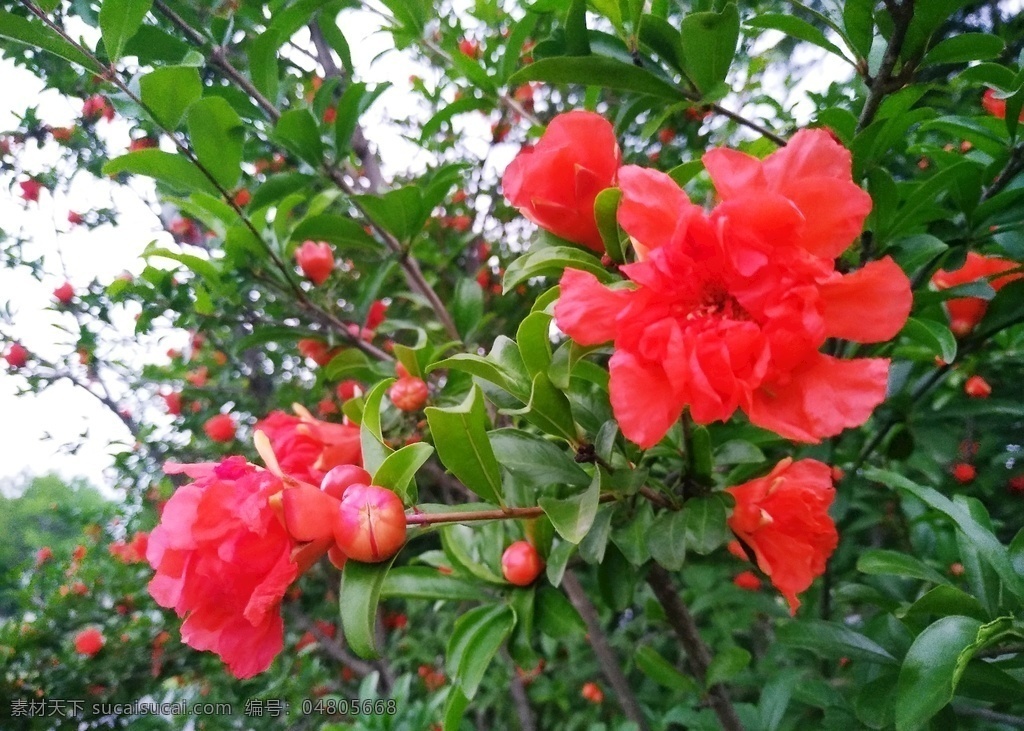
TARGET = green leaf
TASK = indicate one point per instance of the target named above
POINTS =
(573, 516)
(666, 540)
(349, 109)
(934, 336)
(895, 563)
(217, 135)
(168, 91)
(662, 672)
(342, 231)
(371, 438)
(263, 66)
(467, 307)
(556, 616)
(423, 582)
(400, 211)
(943, 601)
(534, 342)
(175, 171)
(535, 460)
(361, 584)
(859, 22)
(476, 639)
(708, 45)
(397, 471)
(963, 48)
(705, 522)
(796, 27)
(726, 664)
(298, 131)
(576, 41)
(833, 641)
(548, 409)
(460, 434)
(928, 675)
(738, 451)
(119, 21)
(203, 267)
(552, 260)
(1005, 309)
(601, 71)
(987, 545)
(278, 187)
(34, 34)
(606, 206)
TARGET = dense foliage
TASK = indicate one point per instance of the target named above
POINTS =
(658, 367)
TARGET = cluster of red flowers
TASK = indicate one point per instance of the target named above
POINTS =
(230, 543)
(726, 310)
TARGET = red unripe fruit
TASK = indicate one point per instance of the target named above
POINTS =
(747, 580)
(592, 692)
(370, 525)
(330, 114)
(400, 370)
(62, 134)
(340, 478)
(220, 428)
(17, 356)
(75, 218)
(1016, 483)
(43, 555)
(964, 473)
(141, 143)
(64, 293)
(316, 350)
(30, 189)
(242, 198)
(977, 387)
(89, 642)
(521, 564)
(666, 135)
(326, 406)
(316, 260)
(469, 48)
(409, 393)
(347, 389)
(956, 569)
(173, 402)
(376, 315)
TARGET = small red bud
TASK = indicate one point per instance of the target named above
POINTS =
(521, 564)
(370, 525)
(409, 393)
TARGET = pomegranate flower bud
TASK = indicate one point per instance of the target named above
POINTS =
(316, 260)
(409, 393)
(521, 564)
(370, 524)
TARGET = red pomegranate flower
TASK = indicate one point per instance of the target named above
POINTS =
(316, 260)
(308, 448)
(966, 312)
(554, 184)
(783, 518)
(728, 311)
(89, 641)
(223, 560)
(64, 293)
(996, 107)
(30, 189)
(977, 387)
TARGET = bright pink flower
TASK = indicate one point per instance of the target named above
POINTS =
(783, 518)
(554, 184)
(223, 560)
(728, 311)
(89, 641)
(308, 448)
(966, 312)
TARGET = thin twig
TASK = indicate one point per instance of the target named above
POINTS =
(881, 84)
(605, 656)
(697, 652)
(470, 516)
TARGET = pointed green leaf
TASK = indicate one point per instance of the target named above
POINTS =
(397, 471)
(361, 584)
(168, 91)
(572, 517)
(119, 21)
(370, 437)
(217, 135)
(460, 434)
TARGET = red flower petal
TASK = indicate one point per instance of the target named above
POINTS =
(586, 309)
(642, 398)
(309, 512)
(869, 306)
(654, 210)
(821, 398)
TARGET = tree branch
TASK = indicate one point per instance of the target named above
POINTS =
(697, 652)
(605, 656)
(901, 13)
